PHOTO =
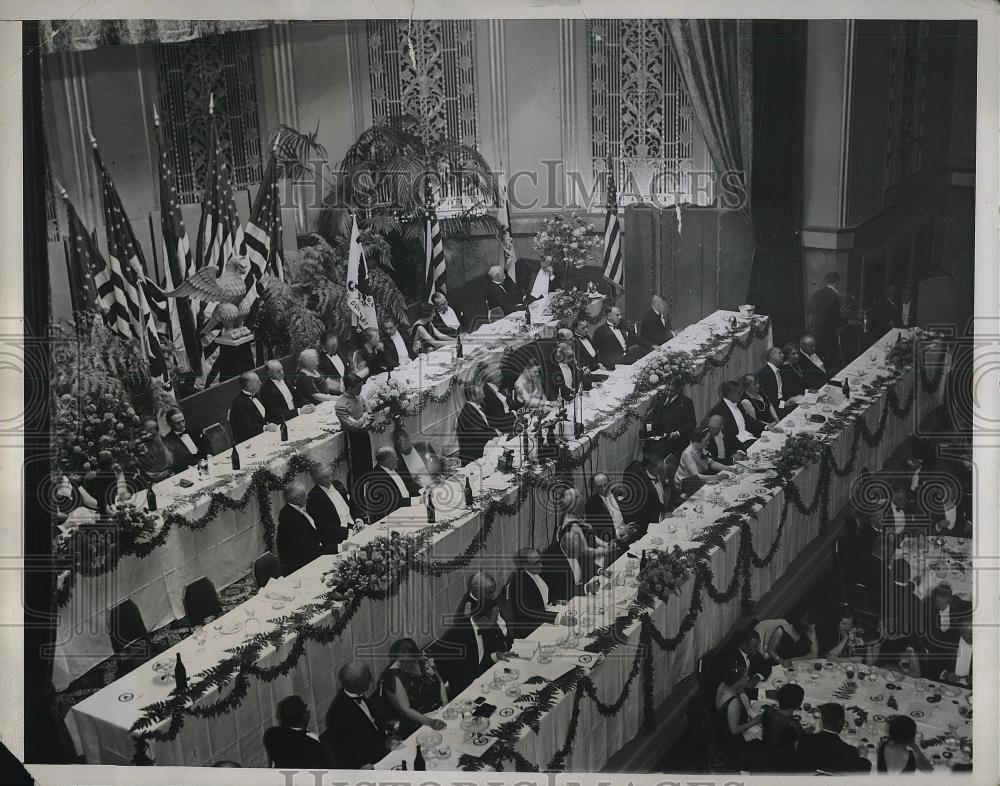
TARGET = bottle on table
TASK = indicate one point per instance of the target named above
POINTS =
(431, 513)
(150, 498)
(203, 468)
(180, 675)
(458, 347)
(847, 388)
(283, 428)
(527, 312)
(468, 492)
(234, 458)
(418, 761)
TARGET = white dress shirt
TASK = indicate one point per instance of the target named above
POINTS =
(945, 616)
(541, 286)
(256, 403)
(741, 424)
(543, 588)
(362, 704)
(567, 375)
(963, 659)
(338, 363)
(904, 310)
(401, 350)
(499, 395)
(899, 520)
(658, 485)
(611, 503)
(339, 503)
(303, 512)
(777, 376)
(285, 392)
(617, 333)
(501, 624)
(720, 444)
(414, 464)
(450, 318)
(816, 360)
(585, 343)
(188, 443)
(398, 481)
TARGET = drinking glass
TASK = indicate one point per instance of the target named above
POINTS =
(199, 636)
(296, 583)
(443, 751)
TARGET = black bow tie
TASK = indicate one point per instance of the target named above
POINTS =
(357, 699)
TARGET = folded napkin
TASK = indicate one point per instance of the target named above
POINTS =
(278, 589)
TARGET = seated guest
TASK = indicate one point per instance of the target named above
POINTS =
(793, 377)
(583, 553)
(565, 378)
(780, 730)
(247, 414)
(544, 280)
(472, 428)
(824, 751)
(447, 320)
(604, 513)
(155, 462)
(355, 728)
(944, 613)
(673, 419)
(853, 641)
(298, 538)
(329, 506)
(733, 716)
(696, 467)
(279, 403)
(959, 670)
(396, 349)
(372, 353)
(744, 650)
(528, 593)
(424, 335)
(410, 688)
(528, 389)
(614, 342)
(901, 753)
(654, 326)
(736, 424)
(107, 484)
(186, 447)
(811, 363)
(310, 386)
(649, 491)
(722, 447)
(898, 519)
(885, 312)
(586, 353)
(383, 489)
(501, 292)
(290, 743)
(771, 382)
(795, 642)
(333, 363)
(352, 411)
(755, 402)
(907, 307)
(416, 460)
(479, 637)
(495, 403)
(946, 511)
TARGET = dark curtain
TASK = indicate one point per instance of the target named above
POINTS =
(715, 59)
(776, 284)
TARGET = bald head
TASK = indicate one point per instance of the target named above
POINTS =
(601, 484)
(614, 315)
(808, 344)
(386, 457)
(355, 677)
(482, 586)
(250, 382)
(274, 370)
(775, 355)
(496, 274)
(564, 334)
(659, 304)
(715, 424)
(295, 494)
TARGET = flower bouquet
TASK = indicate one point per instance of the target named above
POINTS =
(392, 396)
(663, 574)
(566, 243)
(901, 354)
(660, 366)
(372, 568)
(566, 304)
(798, 450)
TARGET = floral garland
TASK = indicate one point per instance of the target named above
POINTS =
(797, 451)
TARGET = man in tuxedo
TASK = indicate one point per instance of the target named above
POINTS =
(496, 404)
(563, 377)
(672, 421)
(614, 343)
(744, 649)
(907, 307)
(944, 613)
(279, 404)
(186, 448)
(472, 428)
(383, 489)
(811, 363)
(721, 447)
(586, 353)
(825, 751)
(958, 670)
(396, 349)
(897, 518)
(885, 312)
(354, 728)
(156, 462)
(772, 382)
(501, 292)
(544, 280)
(333, 363)
(247, 414)
(604, 512)
(527, 593)
(330, 507)
(298, 538)
(414, 459)
(290, 744)
(648, 490)
(737, 425)
(827, 320)
(654, 325)
(479, 636)
(447, 320)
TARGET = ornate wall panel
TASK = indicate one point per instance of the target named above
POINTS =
(907, 104)
(187, 73)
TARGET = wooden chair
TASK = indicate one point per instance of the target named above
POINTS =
(217, 438)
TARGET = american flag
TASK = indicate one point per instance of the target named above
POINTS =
(178, 264)
(508, 256)
(613, 268)
(145, 302)
(435, 271)
(219, 230)
(262, 237)
(82, 263)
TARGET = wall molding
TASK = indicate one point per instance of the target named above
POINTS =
(498, 91)
(568, 105)
(847, 115)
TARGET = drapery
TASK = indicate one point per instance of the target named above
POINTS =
(61, 35)
(715, 59)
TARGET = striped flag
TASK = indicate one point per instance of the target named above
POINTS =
(144, 300)
(262, 236)
(178, 264)
(508, 256)
(435, 272)
(83, 260)
(219, 230)
(613, 268)
(359, 293)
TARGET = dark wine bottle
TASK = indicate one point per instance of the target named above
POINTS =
(283, 427)
(402, 766)
(642, 561)
(150, 498)
(847, 389)
(527, 312)
(180, 676)
(458, 347)
(431, 513)
(234, 457)
(468, 493)
(418, 761)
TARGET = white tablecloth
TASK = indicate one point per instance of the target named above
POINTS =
(100, 723)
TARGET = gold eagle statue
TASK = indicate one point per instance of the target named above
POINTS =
(226, 289)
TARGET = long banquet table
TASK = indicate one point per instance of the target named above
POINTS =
(100, 724)
(575, 734)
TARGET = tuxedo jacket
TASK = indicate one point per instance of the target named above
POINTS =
(298, 541)
(641, 503)
(525, 603)
(609, 349)
(182, 457)
(506, 297)
(583, 355)
(275, 407)
(599, 517)
(380, 495)
(287, 748)
(793, 380)
(730, 428)
(944, 640)
(654, 331)
(326, 367)
(426, 451)
(493, 407)
(245, 420)
(731, 445)
(677, 416)
(813, 375)
(354, 738)
(456, 653)
(390, 354)
(438, 322)
(556, 386)
(768, 382)
(824, 750)
(331, 529)
(472, 431)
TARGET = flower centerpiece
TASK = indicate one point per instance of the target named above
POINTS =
(662, 365)
(377, 564)
(566, 242)
(392, 396)
(566, 304)
(663, 573)
(798, 450)
(901, 353)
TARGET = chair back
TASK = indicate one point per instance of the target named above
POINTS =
(125, 626)
(765, 628)
(703, 673)
(217, 438)
(201, 601)
(265, 567)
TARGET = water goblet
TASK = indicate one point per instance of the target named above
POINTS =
(443, 751)
(199, 636)
(296, 583)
